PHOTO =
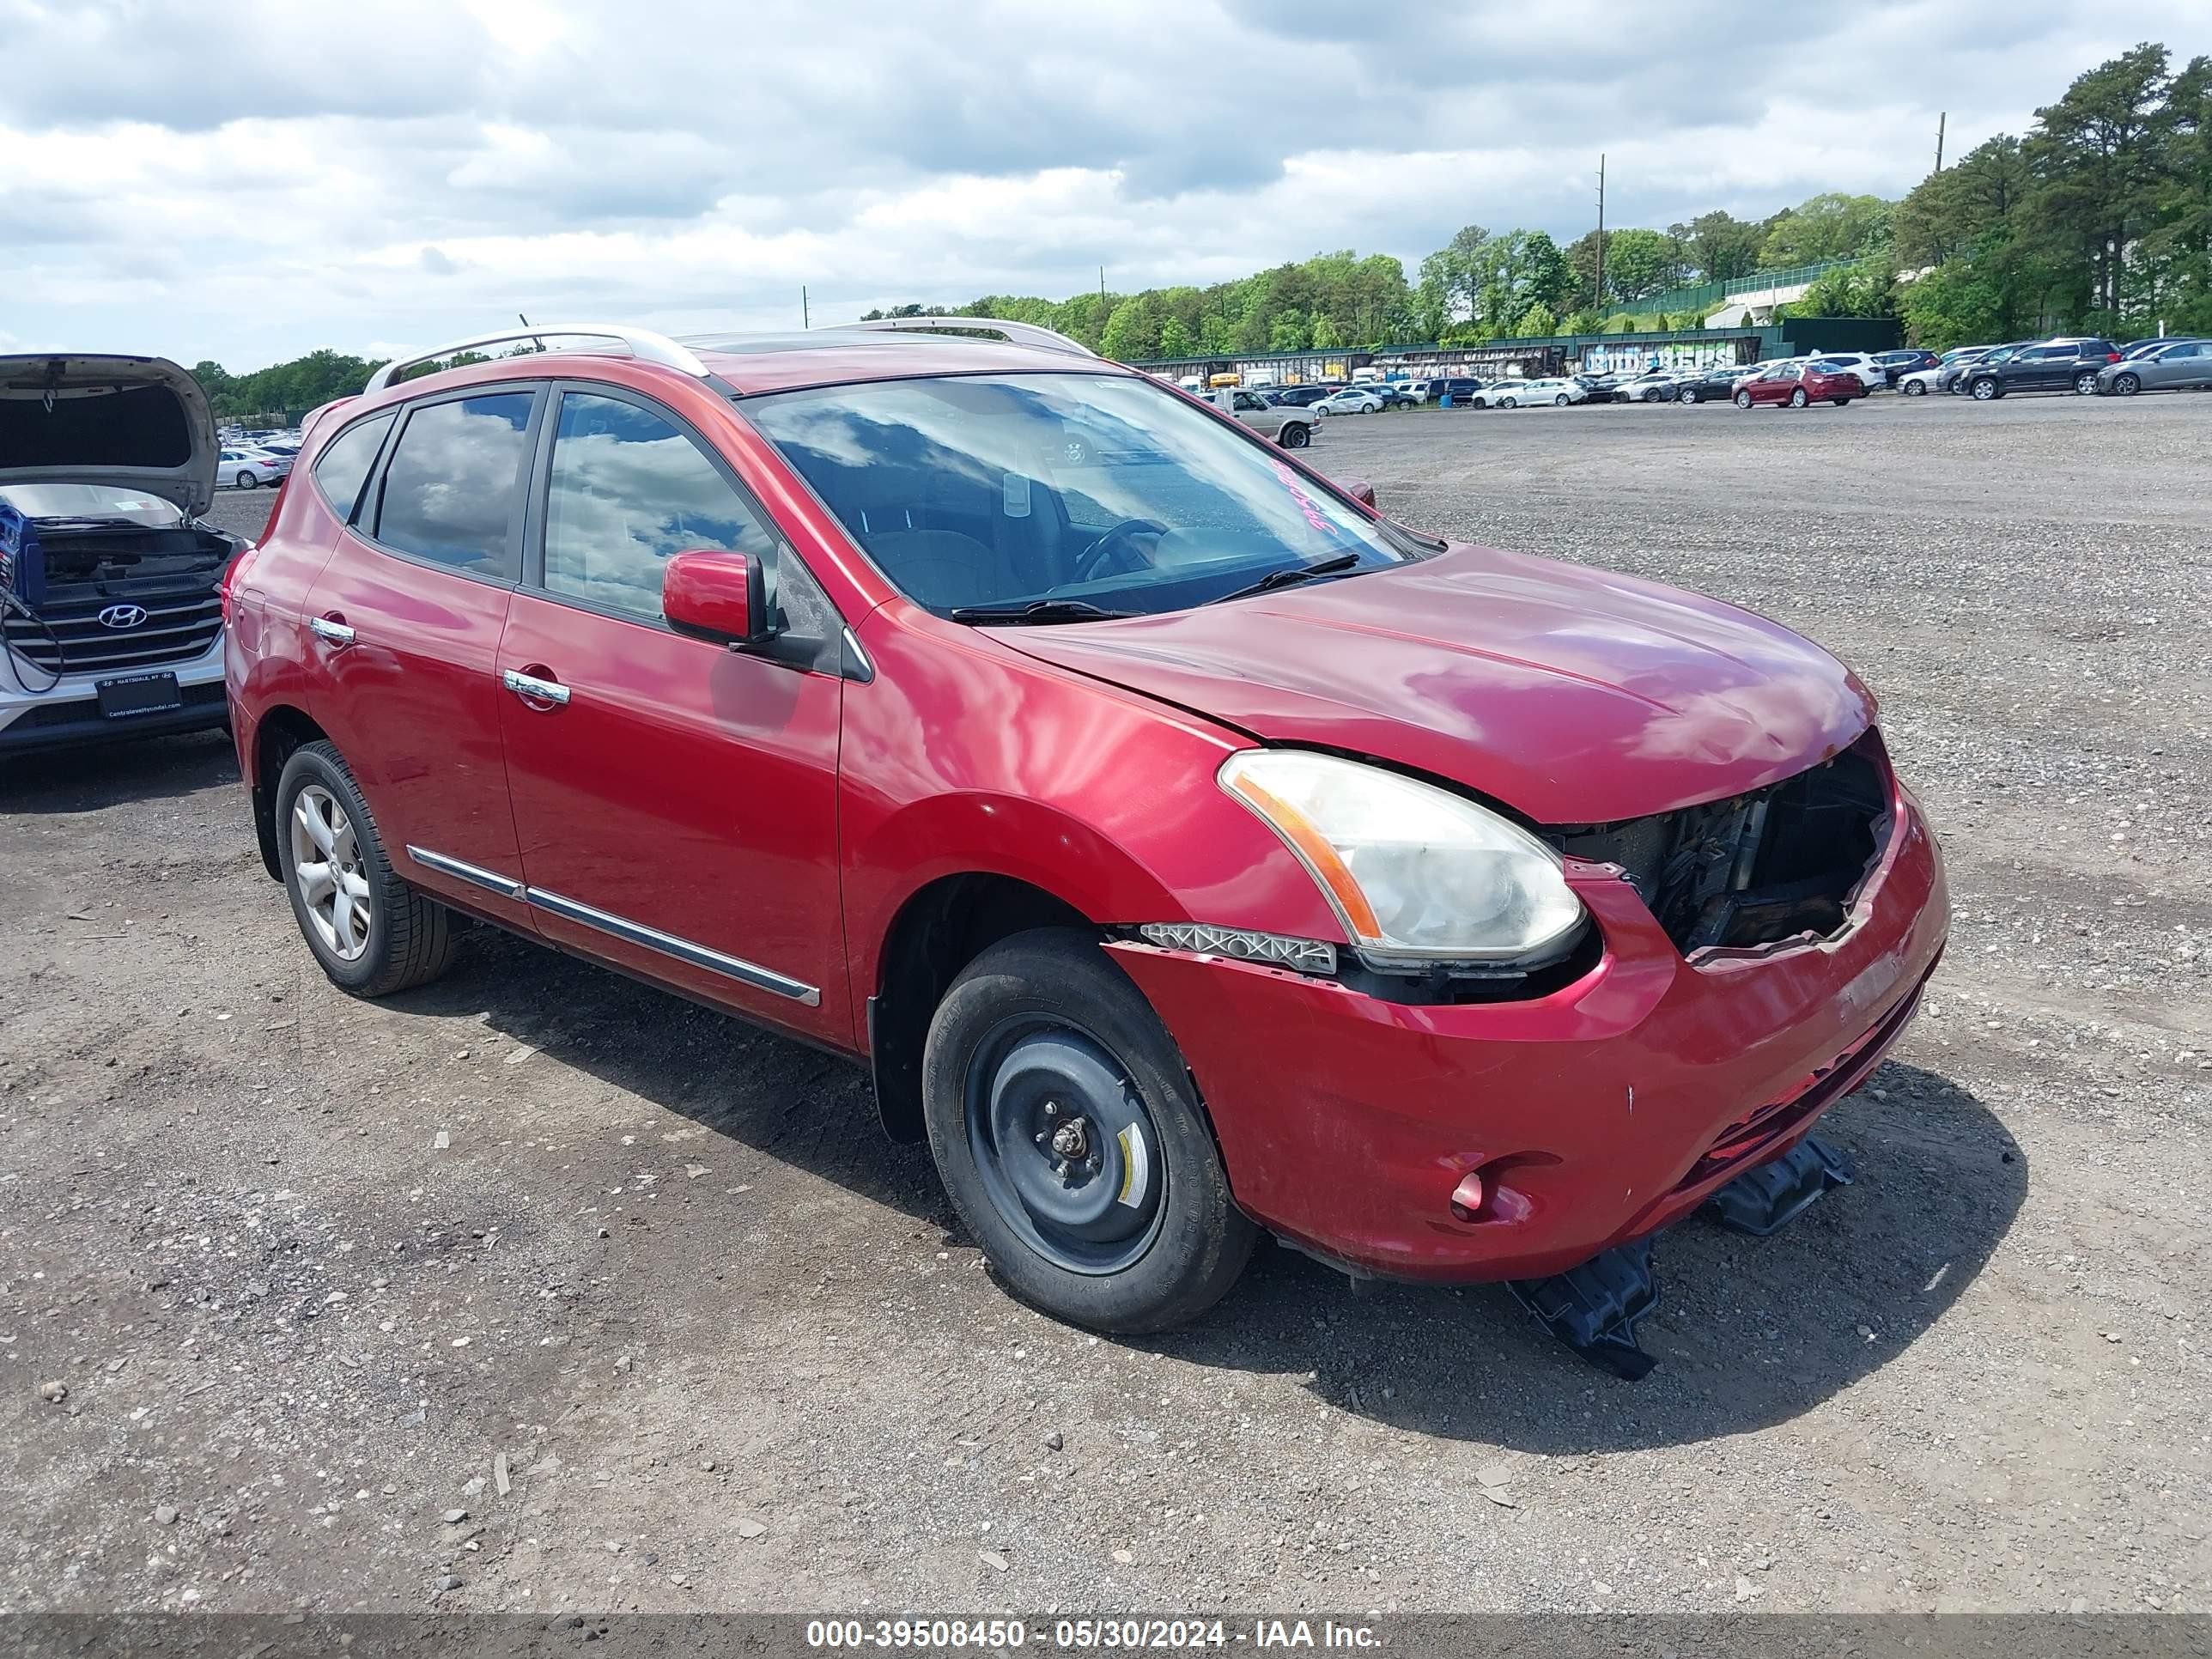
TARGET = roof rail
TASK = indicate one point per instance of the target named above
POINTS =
(639, 343)
(1029, 334)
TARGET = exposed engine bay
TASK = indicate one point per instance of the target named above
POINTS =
(1775, 864)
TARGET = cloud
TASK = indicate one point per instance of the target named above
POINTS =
(248, 185)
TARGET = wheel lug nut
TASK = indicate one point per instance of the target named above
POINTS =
(1052, 1108)
(1040, 1137)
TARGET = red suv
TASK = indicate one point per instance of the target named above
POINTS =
(1186, 848)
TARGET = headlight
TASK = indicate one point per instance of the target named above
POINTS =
(1418, 876)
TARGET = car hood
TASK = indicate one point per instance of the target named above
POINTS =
(1573, 695)
(140, 423)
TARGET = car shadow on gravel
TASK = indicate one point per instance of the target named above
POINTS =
(1748, 1332)
(98, 776)
(797, 1104)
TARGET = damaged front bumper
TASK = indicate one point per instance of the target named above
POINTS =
(1591, 1116)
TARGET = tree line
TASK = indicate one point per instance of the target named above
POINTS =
(1482, 285)
(2097, 219)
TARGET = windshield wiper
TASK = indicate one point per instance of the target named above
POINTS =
(1292, 575)
(1037, 610)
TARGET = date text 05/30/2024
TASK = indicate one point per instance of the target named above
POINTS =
(1080, 1635)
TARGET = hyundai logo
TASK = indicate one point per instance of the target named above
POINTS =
(123, 616)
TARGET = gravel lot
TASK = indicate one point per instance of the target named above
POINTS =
(538, 1289)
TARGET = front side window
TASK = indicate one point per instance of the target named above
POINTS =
(1002, 490)
(342, 467)
(627, 489)
(450, 487)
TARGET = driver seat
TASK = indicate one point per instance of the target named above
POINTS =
(943, 569)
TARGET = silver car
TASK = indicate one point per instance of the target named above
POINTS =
(249, 468)
(2184, 363)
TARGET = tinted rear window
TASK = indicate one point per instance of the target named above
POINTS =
(342, 467)
(450, 490)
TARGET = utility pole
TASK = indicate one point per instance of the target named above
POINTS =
(1940, 116)
(1102, 284)
(805, 319)
(1598, 288)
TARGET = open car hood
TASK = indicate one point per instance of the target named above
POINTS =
(1573, 695)
(140, 423)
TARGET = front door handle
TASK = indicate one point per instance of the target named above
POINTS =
(331, 628)
(532, 690)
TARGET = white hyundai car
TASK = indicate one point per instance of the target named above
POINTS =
(110, 585)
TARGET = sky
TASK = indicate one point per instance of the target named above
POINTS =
(248, 181)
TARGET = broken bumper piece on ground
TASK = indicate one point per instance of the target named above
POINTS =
(1592, 1308)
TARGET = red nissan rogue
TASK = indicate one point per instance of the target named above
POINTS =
(1186, 848)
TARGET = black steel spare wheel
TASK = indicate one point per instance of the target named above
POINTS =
(1072, 1139)
(1064, 1148)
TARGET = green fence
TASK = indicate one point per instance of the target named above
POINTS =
(1761, 280)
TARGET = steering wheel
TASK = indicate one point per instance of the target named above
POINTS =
(1092, 563)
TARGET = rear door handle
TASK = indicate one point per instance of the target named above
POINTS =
(329, 628)
(531, 689)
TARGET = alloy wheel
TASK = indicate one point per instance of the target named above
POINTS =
(1068, 1155)
(2084, 384)
(328, 873)
(2127, 384)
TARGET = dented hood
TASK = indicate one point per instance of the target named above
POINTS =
(1570, 694)
(139, 423)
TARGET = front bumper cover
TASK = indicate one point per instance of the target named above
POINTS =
(1598, 1113)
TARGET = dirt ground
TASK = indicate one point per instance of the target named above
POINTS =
(539, 1290)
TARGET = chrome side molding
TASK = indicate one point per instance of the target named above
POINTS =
(620, 928)
(489, 880)
(683, 950)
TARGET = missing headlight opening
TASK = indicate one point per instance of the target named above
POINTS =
(1775, 864)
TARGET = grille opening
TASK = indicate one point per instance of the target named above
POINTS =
(171, 574)
(1771, 865)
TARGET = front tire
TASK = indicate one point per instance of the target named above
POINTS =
(2127, 384)
(1743, 400)
(1507, 403)
(1296, 436)
(1986, 390)
(1691, 395)
(1071, 1142)
(370, 931)
(1798, 399)
(1916, 388)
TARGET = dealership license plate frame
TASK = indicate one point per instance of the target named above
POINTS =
(138, 694)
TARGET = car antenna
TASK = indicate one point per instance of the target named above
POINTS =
(538, 339)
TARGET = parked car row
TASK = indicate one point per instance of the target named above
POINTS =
(2086, 365)
(2078, 363)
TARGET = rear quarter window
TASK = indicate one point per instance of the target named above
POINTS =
(342, 467)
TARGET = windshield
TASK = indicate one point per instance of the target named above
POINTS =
(72, 500)
(1006, 490)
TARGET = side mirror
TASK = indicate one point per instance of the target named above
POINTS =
(1359, 489)
(716, 596)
